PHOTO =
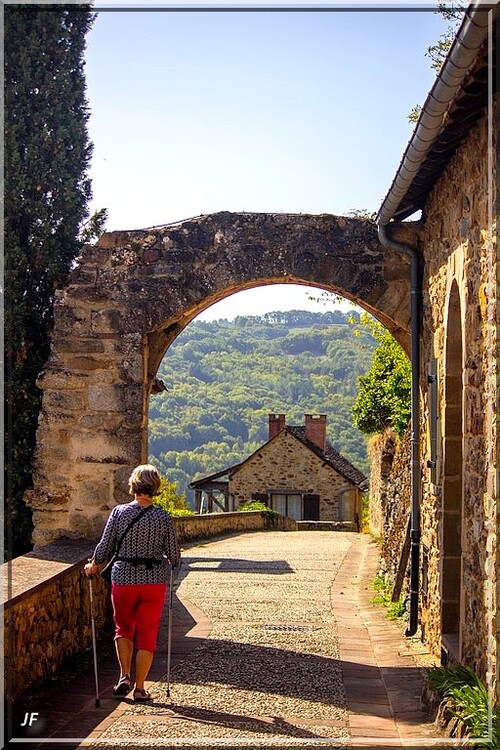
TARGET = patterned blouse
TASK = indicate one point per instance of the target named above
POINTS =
(152, 536)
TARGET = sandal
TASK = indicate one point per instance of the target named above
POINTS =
(123, 686)
(141, 696)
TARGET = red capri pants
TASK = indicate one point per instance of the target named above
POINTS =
(137, 609)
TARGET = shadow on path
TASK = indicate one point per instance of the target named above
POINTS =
(65, 705)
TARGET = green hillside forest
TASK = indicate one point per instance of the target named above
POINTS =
(223, 378)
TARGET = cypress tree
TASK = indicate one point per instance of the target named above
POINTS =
(47, 190)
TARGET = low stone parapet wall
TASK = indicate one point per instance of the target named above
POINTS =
(46, 611)
(46, 596)
(190, 528)
(326, 526)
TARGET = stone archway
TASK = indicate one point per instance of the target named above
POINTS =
(131, 295)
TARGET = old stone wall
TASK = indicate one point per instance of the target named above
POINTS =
(459, 332)
(390, 496)
(46, 597)
(47, 619)
(190, 528)
(129, 298)
(286, 465)
(381, 450)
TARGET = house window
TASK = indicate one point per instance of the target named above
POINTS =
(261, 497)
(287, 504)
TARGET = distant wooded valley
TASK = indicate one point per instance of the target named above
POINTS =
(223, 378)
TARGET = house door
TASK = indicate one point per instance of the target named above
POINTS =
(311, 507)
(452, 595)
(346, 506)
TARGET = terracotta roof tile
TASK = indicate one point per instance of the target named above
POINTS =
(332, 457)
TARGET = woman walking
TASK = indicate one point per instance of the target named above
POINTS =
(147, 544)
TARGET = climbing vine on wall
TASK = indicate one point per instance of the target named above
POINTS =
(384, 393)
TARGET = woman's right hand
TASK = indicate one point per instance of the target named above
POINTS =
(90, 568)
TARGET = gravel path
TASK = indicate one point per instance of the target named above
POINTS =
(269, 672)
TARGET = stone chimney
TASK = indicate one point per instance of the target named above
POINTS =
(276, 424)
(316, 429)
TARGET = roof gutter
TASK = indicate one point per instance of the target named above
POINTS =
(470, 38)
(463, 53)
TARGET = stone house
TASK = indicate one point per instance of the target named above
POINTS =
(297, 473)
(449, 173)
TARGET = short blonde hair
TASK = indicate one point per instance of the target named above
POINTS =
(144, 480)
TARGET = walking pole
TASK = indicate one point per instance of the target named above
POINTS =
(169, 639)
(94, 648)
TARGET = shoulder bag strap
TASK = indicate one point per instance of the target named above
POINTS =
(134, 520)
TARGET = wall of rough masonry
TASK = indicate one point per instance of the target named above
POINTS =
(286, 465)
(460, 272)
(131, 295)
(459, 512)
(390, 496)
(47, 617)
(190, 528)
(381, 450)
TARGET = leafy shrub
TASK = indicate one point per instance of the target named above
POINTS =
(395, 610)
(468, 701)
(383, 398)
(365, 513)
(169, 499)
(445, 679)
(253, 505)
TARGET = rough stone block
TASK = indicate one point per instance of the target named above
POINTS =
(111, 240)
(102, 421)
(65, 380)
(93, 492)
(131, 369)
(105, 449)
(89, 363)
(83, 274)
(80, 525)
(71, 319)
(120, 483)
(107, 321)
(72, 400)
(111, 398)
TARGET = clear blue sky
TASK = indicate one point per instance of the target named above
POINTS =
(197, 112)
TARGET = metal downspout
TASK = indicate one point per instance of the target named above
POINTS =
(415, 307)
